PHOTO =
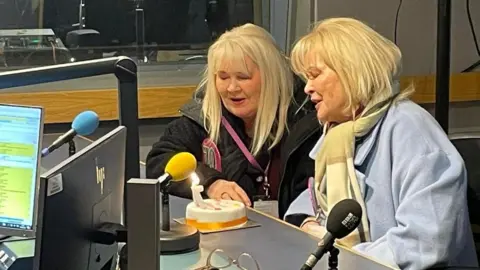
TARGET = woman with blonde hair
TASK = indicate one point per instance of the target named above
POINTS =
(382, 150)
(237, 122)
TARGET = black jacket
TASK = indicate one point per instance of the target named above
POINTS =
(296, 163)
(187, 134)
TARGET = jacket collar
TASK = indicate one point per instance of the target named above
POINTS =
(363, 145)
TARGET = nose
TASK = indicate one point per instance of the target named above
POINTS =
(232, 86)
(309, 90)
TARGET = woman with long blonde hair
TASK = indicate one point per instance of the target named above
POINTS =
(236, 124)
(381, 150)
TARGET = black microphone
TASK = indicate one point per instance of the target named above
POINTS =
(343, 219)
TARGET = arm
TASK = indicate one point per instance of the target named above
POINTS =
(301, 213)
(300, 210)
(181, 135)
(431, 196)
(302, 205)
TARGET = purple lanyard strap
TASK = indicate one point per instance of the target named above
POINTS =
(246, 152)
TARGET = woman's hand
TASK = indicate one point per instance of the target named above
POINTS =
(312, 227)
(228, 190)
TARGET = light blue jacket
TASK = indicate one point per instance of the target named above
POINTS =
(414, 185)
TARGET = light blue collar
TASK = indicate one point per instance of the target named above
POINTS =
(364, 147)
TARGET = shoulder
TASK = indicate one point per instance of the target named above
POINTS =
(412, 129)
(302, 137)
(193, 110)
(183, 126)
(304, 126)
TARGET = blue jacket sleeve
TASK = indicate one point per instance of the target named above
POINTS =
(302, 205)
(431, 198)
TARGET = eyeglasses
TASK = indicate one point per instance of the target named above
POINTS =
(244, 261)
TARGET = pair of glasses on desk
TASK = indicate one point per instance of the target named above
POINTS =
(244, 261)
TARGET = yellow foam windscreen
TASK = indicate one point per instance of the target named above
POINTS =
(181, 165)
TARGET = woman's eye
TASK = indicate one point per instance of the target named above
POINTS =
(222, 76)
(243, 77)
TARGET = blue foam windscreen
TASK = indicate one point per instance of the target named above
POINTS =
(85, 123)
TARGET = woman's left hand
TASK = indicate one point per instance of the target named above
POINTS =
(314, 228)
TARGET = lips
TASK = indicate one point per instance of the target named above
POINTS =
(237, 100)
(317, 104)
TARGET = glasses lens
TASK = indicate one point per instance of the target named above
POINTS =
(220, 259)
(247, 262)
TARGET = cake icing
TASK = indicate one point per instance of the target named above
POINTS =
(216, 214)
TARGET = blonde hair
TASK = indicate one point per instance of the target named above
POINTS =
(367, 63)
(276, 83)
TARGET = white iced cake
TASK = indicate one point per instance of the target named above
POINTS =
(216, 214)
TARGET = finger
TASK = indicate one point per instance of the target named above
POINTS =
(218, 191)
(315, 229)
(226, 196)
(234, 195)
(243, 195)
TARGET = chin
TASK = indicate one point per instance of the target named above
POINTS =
(243, 115)
(321, 117)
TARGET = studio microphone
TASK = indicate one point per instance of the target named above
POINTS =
(343, 219)
(179, 168)
(85, 123)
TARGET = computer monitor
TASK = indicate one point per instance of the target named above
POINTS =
(76, 198)
(21, 132)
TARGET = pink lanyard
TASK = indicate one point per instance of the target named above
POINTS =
(247, 154)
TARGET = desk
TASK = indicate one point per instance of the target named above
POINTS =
(275, 245)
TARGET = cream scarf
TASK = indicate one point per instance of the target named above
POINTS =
(335, 177)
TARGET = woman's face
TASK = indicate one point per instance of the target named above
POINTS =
(239, 90)
(326, 91)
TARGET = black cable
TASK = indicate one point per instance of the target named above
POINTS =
(475, 40)
(472, 27)
(396, 21)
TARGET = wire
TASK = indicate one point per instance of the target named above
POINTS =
(396, 21)
(472, 27)
(475, 40)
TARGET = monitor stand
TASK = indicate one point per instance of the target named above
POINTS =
(179, 239)
(23, 252)
(17, 252)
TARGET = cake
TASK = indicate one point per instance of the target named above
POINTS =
(216, 214)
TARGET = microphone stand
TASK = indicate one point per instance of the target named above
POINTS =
(71, 148)
(175, 238)
(333, 259)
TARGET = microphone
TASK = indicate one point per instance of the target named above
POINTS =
(85, 123)
(178, 168)
(176, 238)
(343, 219)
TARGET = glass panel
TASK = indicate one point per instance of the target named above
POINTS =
(45, 32)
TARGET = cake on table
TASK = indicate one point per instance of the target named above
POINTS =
(212, 214)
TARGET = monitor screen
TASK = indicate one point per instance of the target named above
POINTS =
(21, 132)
